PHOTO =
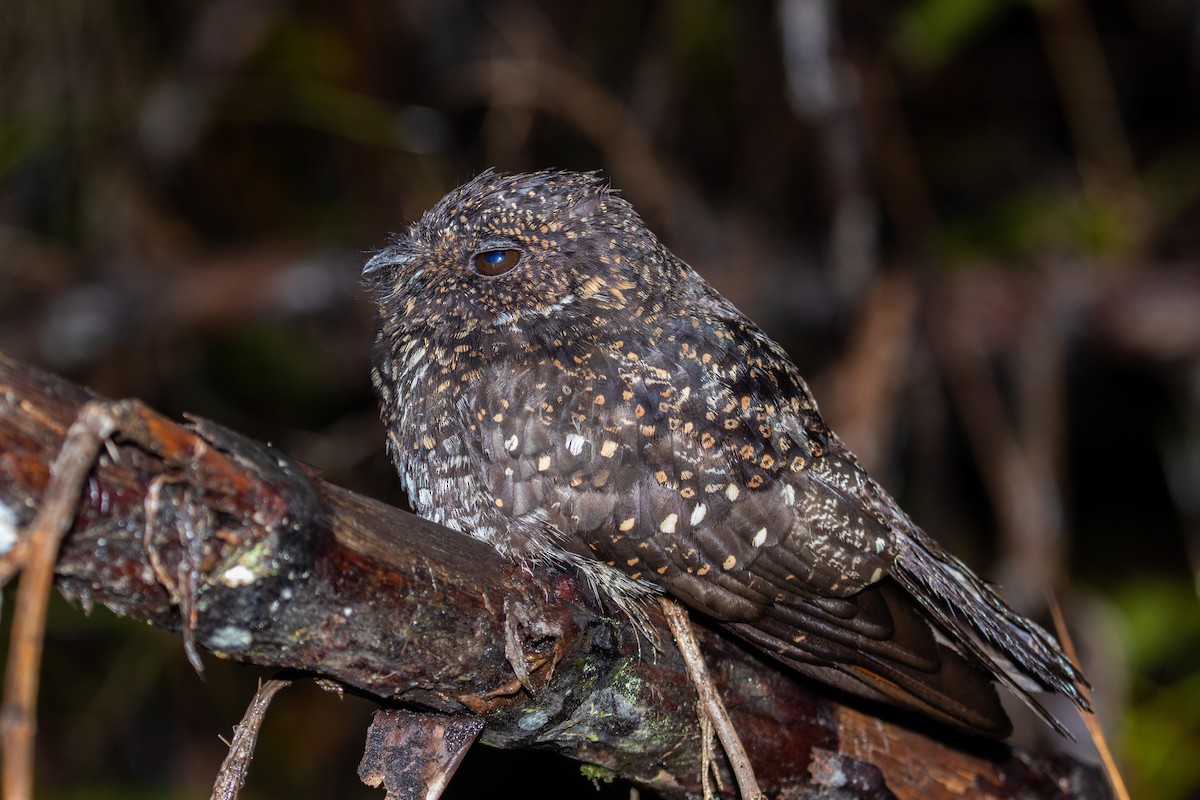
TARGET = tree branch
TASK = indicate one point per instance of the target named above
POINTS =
(253, 557)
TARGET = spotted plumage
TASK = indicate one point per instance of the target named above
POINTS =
(555, 382)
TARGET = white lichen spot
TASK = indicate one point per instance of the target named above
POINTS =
(668, 523)
(876, 575)
(230, 639)
(533, 720)
(8, 529)
(880, 543)
(543, 463)
(789, 494)
(238, 575)
(575, 443)
(510, 444)
(698, 514)
(732, 492)
(759, 537)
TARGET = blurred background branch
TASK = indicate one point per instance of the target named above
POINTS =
(974, 225)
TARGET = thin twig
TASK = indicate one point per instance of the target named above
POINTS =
(245, 735)
(865, 389)
(552, 88)
(1090, 720)
(707, 758)
(1018, 475)
(711, 705)
(93, 426)
(1090, 105)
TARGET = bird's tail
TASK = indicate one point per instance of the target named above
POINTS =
(1019, 652)
(877, 645)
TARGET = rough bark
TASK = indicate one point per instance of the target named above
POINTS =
(253, 557)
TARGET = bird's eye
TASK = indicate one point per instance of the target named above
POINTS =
(496, 262)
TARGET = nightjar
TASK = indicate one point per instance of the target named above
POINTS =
(554, 381)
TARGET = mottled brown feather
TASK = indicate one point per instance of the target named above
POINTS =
(586, 398)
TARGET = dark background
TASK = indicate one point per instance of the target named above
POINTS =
(975, 225)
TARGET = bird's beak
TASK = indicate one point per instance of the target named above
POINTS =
(386, 258)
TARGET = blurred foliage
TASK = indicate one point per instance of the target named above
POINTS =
(931, 32)
(1024, 227)
(1162, 637)
(187, 191)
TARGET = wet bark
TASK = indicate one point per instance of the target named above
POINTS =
(253, 557)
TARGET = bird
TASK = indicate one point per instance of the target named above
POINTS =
(555, 382)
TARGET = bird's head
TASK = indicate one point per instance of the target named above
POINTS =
(545, 249)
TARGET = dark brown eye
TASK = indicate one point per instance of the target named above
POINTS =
(496, 262)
